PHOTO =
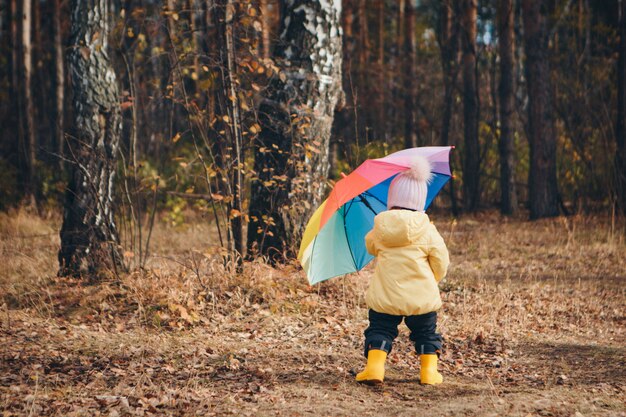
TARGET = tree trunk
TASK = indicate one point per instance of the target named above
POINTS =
(397, 78)
(265, 29)
(230, 83)
(59, 78)
(542, 182)
(171, 26)
(506, 46)
(381, 116)
(345, 124)
(296, 116)
(620, 124)
(364, 90)
(28, 111)
(15, 77)
(471, 160)
(449, 47)
(89, 238)
(410, 52)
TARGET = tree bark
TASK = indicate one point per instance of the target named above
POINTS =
(89, 238)
(381, 116)
(448, 38)
(28, 110)
(265, 29)
(59, 78)
(397, 78)
(235, 125)
(364, 89)
(506, 46)
(471, 160)
(410, 52)
(296, 116)
(345, 129)
(15, 77)
(449, 47)
(542, 182)
(620, 124)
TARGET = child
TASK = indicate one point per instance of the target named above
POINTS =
(411, 259)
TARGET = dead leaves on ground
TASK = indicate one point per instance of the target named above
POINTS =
(195, 340)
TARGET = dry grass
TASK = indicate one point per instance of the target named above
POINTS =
(533, 318)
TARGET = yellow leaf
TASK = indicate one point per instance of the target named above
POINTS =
(176, 137)
(182, 311)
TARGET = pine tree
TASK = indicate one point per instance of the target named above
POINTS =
(506, 46)
(471, 160)
(542, 183)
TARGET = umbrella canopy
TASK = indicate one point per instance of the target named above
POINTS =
(333, 243)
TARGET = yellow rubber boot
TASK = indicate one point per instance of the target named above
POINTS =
(374, 372)
(428, 373)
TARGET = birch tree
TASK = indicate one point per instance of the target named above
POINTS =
(89, 238)
(296, 115)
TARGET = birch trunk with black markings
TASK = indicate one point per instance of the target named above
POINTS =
(89, 237)
(296, 116)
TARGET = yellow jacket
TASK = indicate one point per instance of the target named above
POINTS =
(411, 259)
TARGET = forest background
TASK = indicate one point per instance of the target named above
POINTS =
(536, 111)
(180, 147)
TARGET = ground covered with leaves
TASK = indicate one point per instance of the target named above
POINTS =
(533, 321)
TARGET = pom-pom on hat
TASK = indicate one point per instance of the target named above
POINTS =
(409, 189)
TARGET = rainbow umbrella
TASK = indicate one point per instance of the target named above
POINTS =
(333, 243)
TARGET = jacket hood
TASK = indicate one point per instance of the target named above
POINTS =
(400, 227)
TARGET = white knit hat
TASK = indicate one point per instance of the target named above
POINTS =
(409, 189)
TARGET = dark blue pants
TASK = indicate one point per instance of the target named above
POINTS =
(383, 329)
